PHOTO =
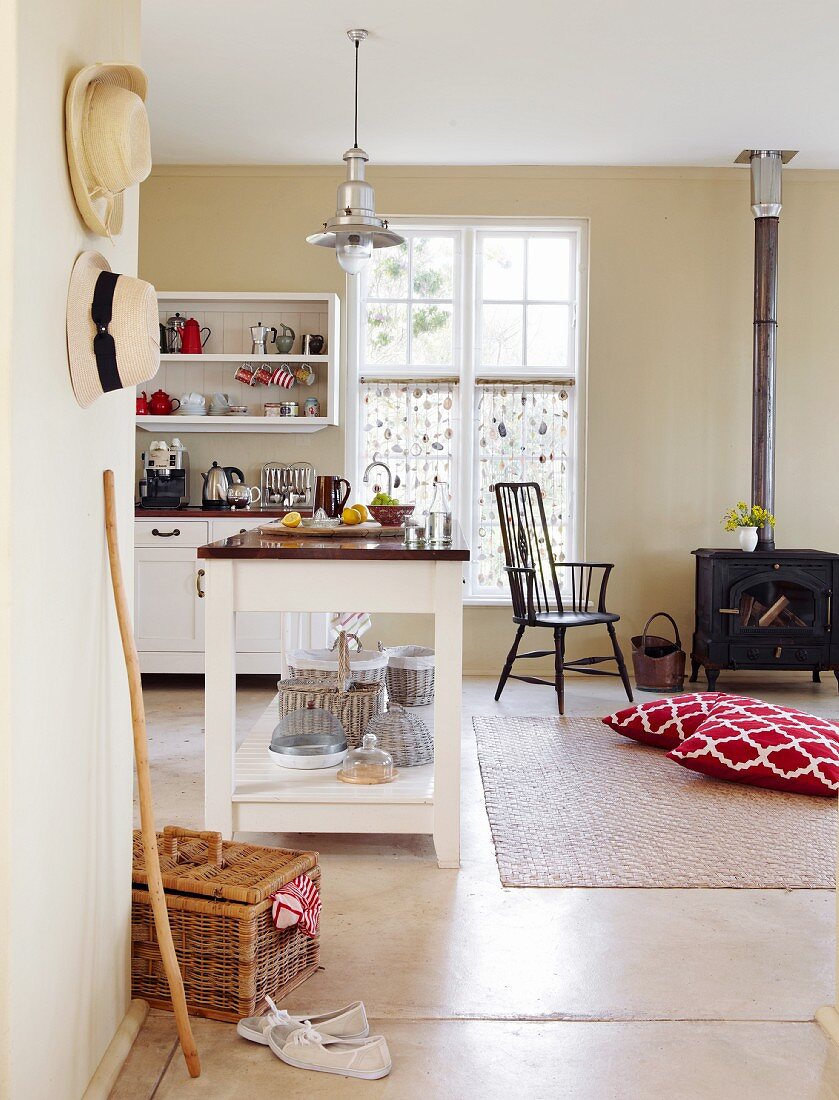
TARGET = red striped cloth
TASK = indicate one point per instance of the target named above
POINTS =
(298, 902)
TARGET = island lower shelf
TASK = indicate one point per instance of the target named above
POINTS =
(267, 798)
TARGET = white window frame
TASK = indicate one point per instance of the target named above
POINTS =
(463, 337)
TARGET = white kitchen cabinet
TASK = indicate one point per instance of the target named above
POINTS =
(168, 612)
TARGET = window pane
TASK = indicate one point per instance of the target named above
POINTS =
(431, 335)
(503, 268)
(414, 428)
(547, 336)
(387, 334)
(522, 434)
(548, 267)
(501, 342)
(433, 271)
(388, 276)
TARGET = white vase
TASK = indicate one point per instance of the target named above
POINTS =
(748, 538)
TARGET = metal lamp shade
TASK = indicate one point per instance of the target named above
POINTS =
(355, 217)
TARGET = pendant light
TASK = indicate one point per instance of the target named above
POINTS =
(355, 230)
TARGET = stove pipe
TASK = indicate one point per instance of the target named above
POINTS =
(765, 165)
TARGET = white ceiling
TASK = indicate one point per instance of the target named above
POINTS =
(608, 82)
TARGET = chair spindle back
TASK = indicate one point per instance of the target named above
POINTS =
(527, 546)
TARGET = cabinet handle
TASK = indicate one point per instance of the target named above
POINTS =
(198, 587)
(165, 534)
(729, 611)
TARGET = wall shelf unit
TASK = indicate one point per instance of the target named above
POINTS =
(229, 317)
(177, 424)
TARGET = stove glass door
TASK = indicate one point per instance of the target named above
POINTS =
(777, 604)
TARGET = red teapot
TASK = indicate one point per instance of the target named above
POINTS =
(143, 404)
(161, 404)
(191, 342)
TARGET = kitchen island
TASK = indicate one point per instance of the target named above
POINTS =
(244, 790)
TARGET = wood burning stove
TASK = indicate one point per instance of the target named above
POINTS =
(764, 611)
(771, 609)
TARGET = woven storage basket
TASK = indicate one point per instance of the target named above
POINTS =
(218, 896)
(405, 736)
(366, 667)
(410, 675)
(353, 703)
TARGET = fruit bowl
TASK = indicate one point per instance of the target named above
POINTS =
(390, 515)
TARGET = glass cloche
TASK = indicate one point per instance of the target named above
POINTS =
(368, 763)
(308, 738)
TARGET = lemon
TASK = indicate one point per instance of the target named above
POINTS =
(351, 516)
(362, 511)
(291, 519)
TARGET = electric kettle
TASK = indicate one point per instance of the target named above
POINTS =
(216, 483)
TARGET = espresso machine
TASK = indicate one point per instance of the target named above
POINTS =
(165, 483)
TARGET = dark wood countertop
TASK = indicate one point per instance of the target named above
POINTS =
(215, 513)
(269, 547)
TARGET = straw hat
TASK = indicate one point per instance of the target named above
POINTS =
(123, 349)
(108, 145)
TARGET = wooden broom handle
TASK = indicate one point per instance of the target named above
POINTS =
(141, 756)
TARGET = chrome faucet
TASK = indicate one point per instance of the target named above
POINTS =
(366, 478)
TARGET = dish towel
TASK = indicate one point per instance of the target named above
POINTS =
(351, 622)
(298, 902)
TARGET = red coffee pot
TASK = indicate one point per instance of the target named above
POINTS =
(162, 404)
(191, 342)
(143, 404)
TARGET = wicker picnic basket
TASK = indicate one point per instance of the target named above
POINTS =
(410, 674)
(405, 736)
(366, 667)
(218, 894)
(353, 703)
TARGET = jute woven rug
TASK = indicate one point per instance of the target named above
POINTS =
(571, 803)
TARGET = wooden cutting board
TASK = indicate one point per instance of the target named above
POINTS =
(342, 531)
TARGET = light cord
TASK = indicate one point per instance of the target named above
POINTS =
(355, 131)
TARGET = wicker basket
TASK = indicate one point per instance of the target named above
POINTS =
(218, 897)
(405, 736)
(410, 675)
(322, 664)
(352, 702)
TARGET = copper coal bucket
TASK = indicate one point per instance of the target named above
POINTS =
(659, 663)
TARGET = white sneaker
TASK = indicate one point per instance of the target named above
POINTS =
(343, 1023)
(307, 1048)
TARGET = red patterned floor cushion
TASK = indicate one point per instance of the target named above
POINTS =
(665, 723)
(764, 745)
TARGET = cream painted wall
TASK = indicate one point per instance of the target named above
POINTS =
(669, 380)
(66, 885)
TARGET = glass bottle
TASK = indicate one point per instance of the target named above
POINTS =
(438, 529)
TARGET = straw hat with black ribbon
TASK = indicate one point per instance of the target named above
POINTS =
(108, 144)
(113, 339)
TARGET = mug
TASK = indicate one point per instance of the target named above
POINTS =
(142, 406)
(304, 374)
(244, 374)
(312, 344)
(262, 376)
(328, 495)
(283, 378)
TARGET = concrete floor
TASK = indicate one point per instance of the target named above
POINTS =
(554, 993)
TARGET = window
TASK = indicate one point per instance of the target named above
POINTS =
(468, 342)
